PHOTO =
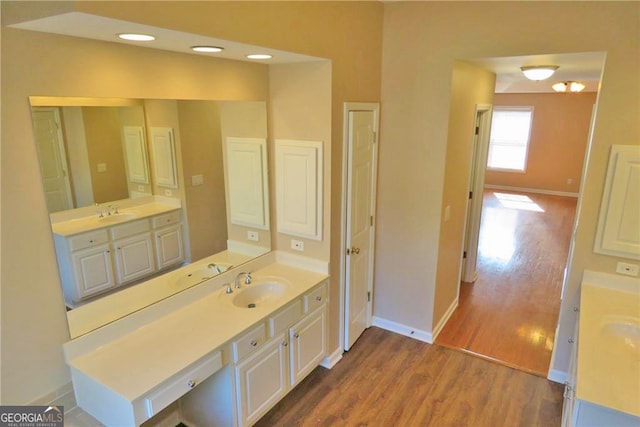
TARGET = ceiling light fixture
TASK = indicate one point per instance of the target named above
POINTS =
(136, 37)
(569, 86)
(207, 49)
(259, 56)
(539, 72)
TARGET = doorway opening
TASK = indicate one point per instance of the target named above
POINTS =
(509, 301)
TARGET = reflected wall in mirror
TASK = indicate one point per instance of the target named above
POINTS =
(95, 130)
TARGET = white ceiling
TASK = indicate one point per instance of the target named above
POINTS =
(100, 28)
(584, 67)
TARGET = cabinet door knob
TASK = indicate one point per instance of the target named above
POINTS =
(91, 241)
(191, 384)
(318, 298)
(296, 335)
(254, 343)
(108, 251)
(284, 343)
(570, 340)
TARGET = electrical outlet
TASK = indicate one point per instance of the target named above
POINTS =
(569, 181)
(627, 269)
(297, 245)
(141, 188)
(168, 193)
(197, 180)
(102, 167)
(253, 235)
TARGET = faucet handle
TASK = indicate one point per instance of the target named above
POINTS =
(247, 279)
(229, 289)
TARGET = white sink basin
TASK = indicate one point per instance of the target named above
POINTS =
(623, 330)
(117, 217)
(257, 294)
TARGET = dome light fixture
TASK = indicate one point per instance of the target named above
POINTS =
(539, 72)
(569, 86)
(136, 37)
(259, 56)
(207, 49)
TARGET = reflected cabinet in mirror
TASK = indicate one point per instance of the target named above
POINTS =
(149, 197)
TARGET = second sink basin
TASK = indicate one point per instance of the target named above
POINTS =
(117, 217)
(257, 294)
(624, 330)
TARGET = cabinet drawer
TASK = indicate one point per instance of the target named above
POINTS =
(170, 392)
(166, 219)
(315, 298)
(249, 342)
(88, 240)
(129, 229)
(285, 318)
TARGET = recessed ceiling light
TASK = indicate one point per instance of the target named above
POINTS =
(259, 56)
(207, 49)
(136, 37)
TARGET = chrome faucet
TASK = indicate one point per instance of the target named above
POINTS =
(215, 268)
(247, 279)
(112, 209)
(228, 290)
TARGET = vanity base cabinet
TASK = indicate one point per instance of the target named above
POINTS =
(308, 341)
(169, 247)
(93, 273)
(261, 381)
(134, 258)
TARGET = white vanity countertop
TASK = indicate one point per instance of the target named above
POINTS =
(93, 222)
(135, 363)
(609, 345)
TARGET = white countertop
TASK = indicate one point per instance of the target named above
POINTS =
(130, 365)
(93, 222)
(609, 363)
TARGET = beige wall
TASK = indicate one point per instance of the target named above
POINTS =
(559, 135)
(104, 146)
(470, 86)
(33, 321)
(421, 42)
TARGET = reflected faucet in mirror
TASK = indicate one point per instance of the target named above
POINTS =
(102, 152)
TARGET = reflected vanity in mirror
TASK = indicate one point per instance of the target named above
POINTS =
(148, 197)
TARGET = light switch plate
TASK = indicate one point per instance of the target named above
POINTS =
(627, 269)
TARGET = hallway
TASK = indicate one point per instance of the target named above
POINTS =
(510, 313)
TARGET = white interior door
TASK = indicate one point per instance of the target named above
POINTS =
(360, 196)
(52, 158)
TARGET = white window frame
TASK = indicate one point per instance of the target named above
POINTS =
(528, 142)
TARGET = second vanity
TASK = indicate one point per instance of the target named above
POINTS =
(235, 354)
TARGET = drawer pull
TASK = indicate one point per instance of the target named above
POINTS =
(91, 241)
(296, 335)
(191, 384)
(254, 343)
(318, 298)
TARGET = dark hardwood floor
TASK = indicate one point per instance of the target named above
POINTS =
(510, 313)
(391, 380)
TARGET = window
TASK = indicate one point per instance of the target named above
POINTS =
(509, 138)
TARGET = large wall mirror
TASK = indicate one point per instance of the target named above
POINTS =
(206, 157)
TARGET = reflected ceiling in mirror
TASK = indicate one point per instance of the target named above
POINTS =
(80, 141)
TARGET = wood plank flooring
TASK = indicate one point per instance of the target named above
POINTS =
(510, 313)
(389, 380)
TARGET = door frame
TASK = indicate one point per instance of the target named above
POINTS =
(478, 167)
(349, 107)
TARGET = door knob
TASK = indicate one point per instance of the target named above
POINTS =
(355, 250)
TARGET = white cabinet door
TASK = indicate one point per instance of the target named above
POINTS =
(164, 157)
(308, 340)
(261, 381)
(92, 269)
(169, 247)
(134, 257)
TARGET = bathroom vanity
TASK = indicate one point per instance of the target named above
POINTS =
(100, 252)
(603, 388)
(231, 355)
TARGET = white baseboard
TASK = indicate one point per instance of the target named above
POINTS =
(530, 190)
(445, 318)
(62, 396)
(557, 376)
(401, 329)
(331, 360)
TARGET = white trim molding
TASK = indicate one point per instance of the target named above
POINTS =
(401, 329)
(557, 376)
(530, 190)
(445, 318)
(331, 360)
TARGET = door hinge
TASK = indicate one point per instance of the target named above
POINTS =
(368, 296)
(348, 251)
(477, 130)
(470, 195)
(375, 137)
(464, 254)
(371, 220)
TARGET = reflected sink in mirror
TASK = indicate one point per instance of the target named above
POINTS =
(623, 330)
(117, 218)
(256, 294)
(202, 274)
